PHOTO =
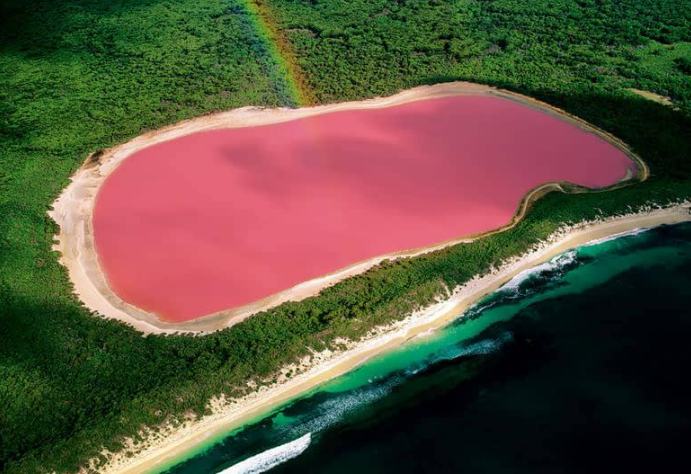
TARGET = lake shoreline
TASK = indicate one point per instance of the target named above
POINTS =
(73, 210)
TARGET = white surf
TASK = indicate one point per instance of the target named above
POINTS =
(617, 236)
(271, 458)
(556, 263)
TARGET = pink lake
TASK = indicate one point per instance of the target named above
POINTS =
(219, 219)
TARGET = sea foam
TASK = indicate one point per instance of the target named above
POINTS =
(557, 263)
(483, 347)
(609, 238)
(271, 458)
(334, 409)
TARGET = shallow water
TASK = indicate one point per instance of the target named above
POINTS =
(216, 220)
(578, 365)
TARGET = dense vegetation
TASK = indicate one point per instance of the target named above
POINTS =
(79, 75)
(355, 48)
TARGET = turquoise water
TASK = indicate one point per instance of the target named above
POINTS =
(559, 363)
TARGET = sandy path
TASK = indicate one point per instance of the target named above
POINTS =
(660, 99)
(174, 443)
(74, 207)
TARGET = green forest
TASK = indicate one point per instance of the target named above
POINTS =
(81, 75)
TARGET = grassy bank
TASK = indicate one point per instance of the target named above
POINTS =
(82, 75)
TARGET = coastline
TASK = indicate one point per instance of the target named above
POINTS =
(73, 209)
(175, 443)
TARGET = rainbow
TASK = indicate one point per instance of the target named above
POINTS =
(281, 52)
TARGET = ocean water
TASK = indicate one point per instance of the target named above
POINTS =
(578, 365)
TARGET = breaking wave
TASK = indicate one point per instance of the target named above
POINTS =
(527, 283)
(558, 266)
(553, 270)
(271, 458)
(484, 347)
(617, 236)
(476, 310)
(336, 407)
(488, 346)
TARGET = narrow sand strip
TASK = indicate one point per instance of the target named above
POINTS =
(73, 210)
(172, 443)
(660, 99)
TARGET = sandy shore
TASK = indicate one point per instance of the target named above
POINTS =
(74, 208)
(174, 442)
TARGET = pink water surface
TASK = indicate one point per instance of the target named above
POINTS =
(219, 219)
